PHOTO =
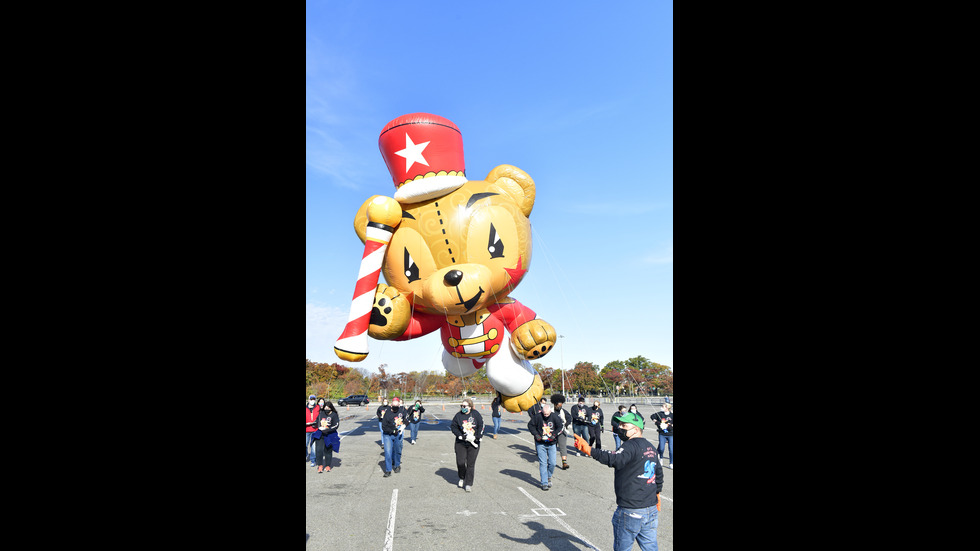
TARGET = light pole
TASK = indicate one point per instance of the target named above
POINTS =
(383, 383)
(561, 351)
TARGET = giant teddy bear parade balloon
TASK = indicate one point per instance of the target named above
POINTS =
(451, 251)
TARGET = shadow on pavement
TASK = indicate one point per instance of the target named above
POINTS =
(521, 475)
(554, 540)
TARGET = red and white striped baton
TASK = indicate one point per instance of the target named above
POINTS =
(384, 214)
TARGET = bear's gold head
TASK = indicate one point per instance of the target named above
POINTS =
(464, 251)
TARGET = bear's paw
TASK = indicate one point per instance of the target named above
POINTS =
(534, 339)
(523, 402)
(390, 314)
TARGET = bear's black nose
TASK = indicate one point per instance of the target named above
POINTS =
(453, 277)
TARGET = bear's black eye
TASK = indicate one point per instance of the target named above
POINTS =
(411, 269)
(495, 246)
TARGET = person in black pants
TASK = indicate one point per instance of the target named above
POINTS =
(580, 419)
(595, 425)
(328, 421)
(467, 426)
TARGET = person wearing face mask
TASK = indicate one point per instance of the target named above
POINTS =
(595, 425)
(665, 430)
(393, 427)
(312, 410)
(536, 408)
(328, 421)
(545, 428)
(615, 424)
(467, 427)
(638, 480)
(633, 409)
(580, 419)
(382, 409)
(414, 418)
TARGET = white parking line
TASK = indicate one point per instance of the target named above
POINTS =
(551, 514)
(390, 532)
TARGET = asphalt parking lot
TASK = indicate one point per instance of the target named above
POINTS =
(421, 508)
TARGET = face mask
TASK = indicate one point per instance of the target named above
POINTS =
(596, 406)
(322, 405)
(417, 406)
(385, 403)
(621, 432)
(464, 409)
(311, 403)
(632, 410)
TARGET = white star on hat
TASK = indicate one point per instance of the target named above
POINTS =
(412, 153)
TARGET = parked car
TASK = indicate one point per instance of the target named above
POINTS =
(354, 399)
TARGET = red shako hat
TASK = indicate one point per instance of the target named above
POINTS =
(424, 154)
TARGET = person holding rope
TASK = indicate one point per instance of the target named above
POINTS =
(638, 481)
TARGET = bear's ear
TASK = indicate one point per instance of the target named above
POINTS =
(360, 219)
(516, 183)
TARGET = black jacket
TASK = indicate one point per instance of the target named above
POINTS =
(495, 406)
(393, 420)
(474, 418)
(381, 411)
(412, 417)
(599, 418)
(545, 429)
(586, 415)
(333, 421)
(665, 422)
(639, 476)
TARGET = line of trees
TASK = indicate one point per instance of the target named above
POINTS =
(634, 377)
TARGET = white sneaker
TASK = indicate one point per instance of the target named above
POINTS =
(671, 466)
(469, 488)
(460, 484)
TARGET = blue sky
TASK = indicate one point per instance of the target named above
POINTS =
(577, 94)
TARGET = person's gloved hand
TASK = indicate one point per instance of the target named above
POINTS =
(582, 446)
